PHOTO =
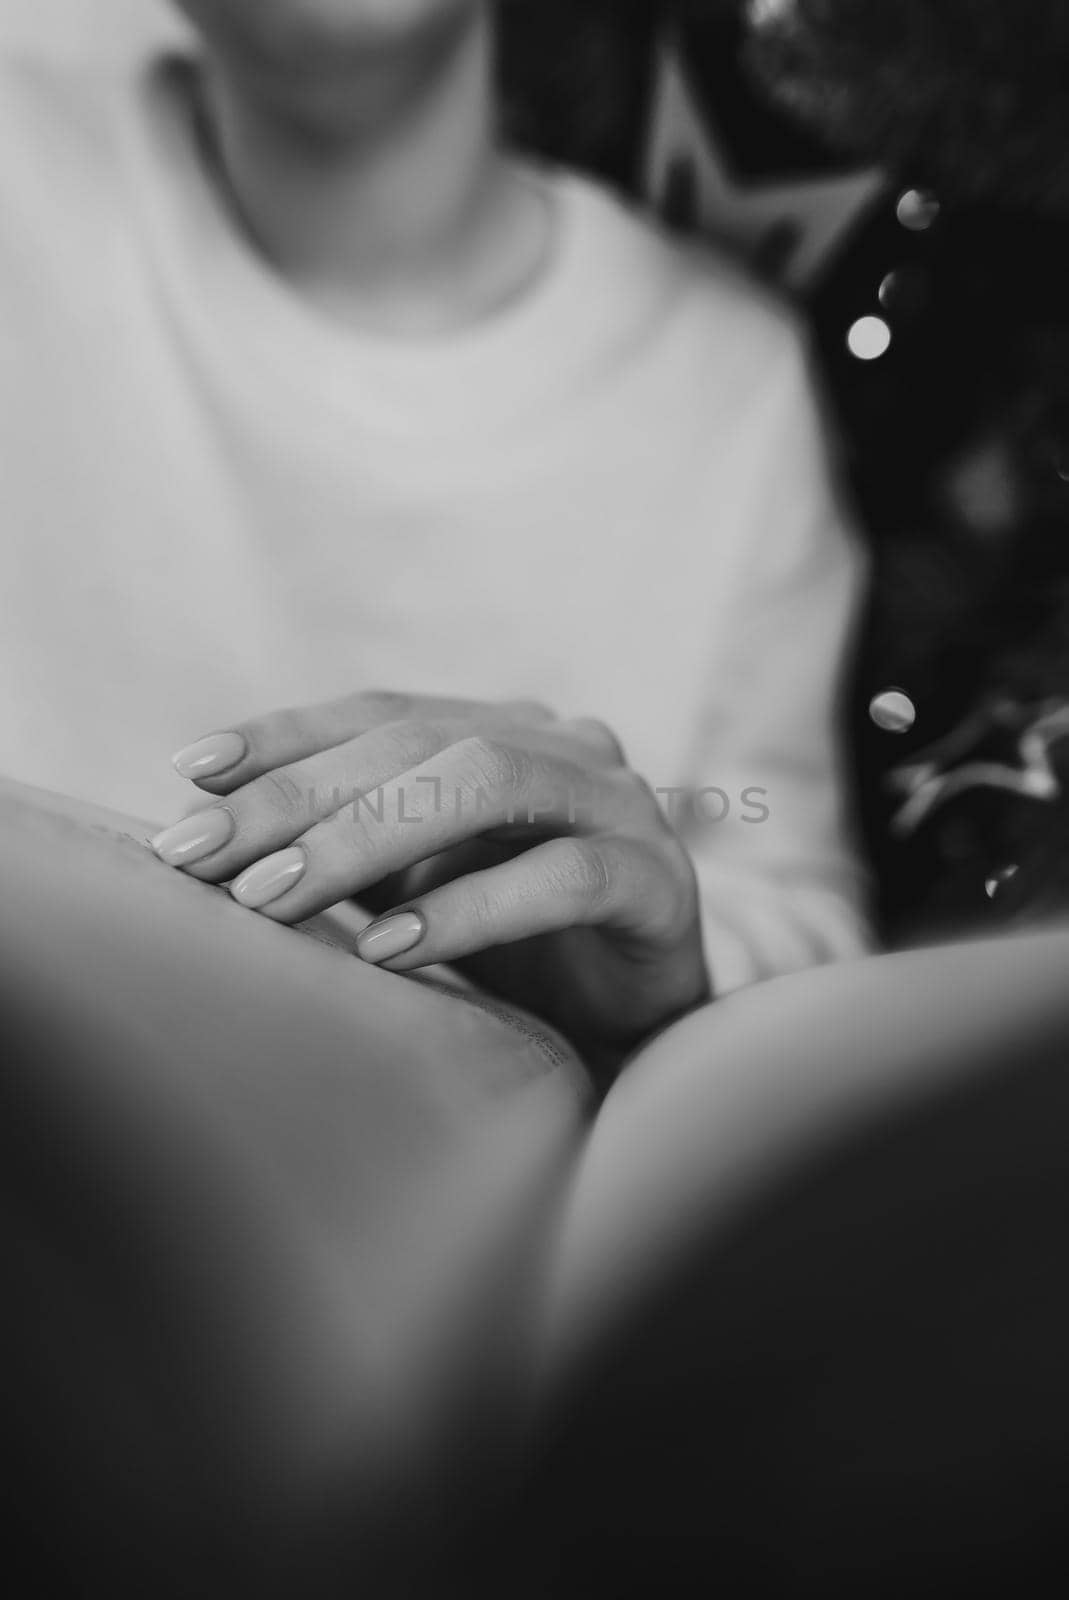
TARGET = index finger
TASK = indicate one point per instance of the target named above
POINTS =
(224, 761)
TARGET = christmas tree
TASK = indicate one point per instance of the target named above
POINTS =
(940, 315)
(957, 427)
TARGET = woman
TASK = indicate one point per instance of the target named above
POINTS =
(314, 386)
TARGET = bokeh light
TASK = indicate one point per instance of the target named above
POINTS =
(918, 210)
(868, 338)
(893, 711)
(904, 290)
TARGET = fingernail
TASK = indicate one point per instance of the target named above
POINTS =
(195, 837)
(393, 936)
(210, 757)
(269, 879)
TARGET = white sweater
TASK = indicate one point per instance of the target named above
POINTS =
(612, 497)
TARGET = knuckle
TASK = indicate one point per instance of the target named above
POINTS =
(600, 737)
(377, 706)
(670, 893)
(582, 872)
(644, 804)
(494, 765)
(278, 730)
(278, 794)
(350, 833)
(628, 803)
(529, 711)
(412, 743)
(482, 909)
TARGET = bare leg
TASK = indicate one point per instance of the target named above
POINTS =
(725, 1102)
(308, 1199)
(817, 1340)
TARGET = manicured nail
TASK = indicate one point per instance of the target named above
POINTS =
(269, 879)
(393, 936)
(210, 757)
(195, 837)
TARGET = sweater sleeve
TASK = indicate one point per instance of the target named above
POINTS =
(770, 826)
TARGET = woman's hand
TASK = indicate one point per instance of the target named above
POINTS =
(499, 838)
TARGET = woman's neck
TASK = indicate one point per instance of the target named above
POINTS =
(385, 201)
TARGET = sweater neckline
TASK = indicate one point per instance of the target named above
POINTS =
(484, 373)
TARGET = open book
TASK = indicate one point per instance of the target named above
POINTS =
(378, 1219)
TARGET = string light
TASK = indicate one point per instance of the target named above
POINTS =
(904, 290)
(918, 210)
(893, 711)
(868, 338)
(766, 11)
(998, 880)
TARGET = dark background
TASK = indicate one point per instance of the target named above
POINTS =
(955, 442)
